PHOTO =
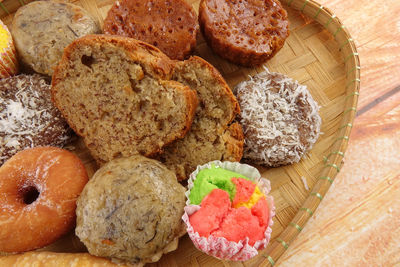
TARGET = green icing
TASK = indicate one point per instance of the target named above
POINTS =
(209, 179)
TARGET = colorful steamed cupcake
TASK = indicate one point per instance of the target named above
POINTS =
(228, 213)
(8, 58)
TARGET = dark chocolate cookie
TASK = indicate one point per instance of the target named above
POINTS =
(28, 117)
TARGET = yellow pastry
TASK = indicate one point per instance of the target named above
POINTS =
(8, 58)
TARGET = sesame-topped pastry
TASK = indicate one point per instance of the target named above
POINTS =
(8, 59)
(28, 118)
(279, 117)
(229, 213)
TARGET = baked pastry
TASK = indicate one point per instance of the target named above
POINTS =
(42, 29)
(45, 258)
(8, 58)
(28, 118)
(213, 136)
(246, 32)
(279, 117)
(131, 211)
(117, 93)
(38, 192)
(172, 26)
(228, 213)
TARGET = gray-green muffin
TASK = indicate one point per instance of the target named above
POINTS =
(131, 211)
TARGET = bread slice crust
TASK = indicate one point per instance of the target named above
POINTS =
(118, 94)
(213, 135)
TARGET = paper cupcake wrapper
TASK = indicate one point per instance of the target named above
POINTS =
(8, 58)
(220, 247)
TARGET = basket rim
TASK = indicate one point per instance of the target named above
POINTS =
(334, 160)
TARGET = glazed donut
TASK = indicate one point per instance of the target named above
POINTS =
(38, 192)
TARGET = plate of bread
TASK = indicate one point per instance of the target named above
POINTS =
(159, 132)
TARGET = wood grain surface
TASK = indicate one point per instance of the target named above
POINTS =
(358, 222)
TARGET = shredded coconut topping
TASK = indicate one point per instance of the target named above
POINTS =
(28, 117)
(279, 117)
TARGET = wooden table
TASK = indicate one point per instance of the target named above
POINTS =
(358, 222)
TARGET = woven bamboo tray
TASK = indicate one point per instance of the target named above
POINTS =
(319, 53)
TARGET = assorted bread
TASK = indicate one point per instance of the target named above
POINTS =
(118, 94)
(212, 136)
(130, 94)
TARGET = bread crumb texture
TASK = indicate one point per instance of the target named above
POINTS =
(213, 136)
(131, 210)
(117, 93)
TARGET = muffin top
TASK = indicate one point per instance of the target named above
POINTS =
(131, 210)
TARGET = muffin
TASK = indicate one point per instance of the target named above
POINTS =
(42, 29)
(245, 32)
(279, 117)
(229, 213)
(8, 58)
(171, 26)
(131, 211)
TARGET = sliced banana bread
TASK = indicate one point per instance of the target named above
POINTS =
(211, 137)
(117, 93)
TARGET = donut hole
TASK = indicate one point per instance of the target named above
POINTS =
(87, 61)
(114, 28)
(29, 194)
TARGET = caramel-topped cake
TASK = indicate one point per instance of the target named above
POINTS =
(246, 32)
(171, 26)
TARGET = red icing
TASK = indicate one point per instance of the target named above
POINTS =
(261, 211)
(214, 207)
(239, 224)
(218, 218)
(244, 190)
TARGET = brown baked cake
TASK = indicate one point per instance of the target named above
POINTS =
(42, 29)
(170, 25)
(279, 117)
(212, 136)
(131, 211)
(245, 32)
(117, 93)
(28, 118)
